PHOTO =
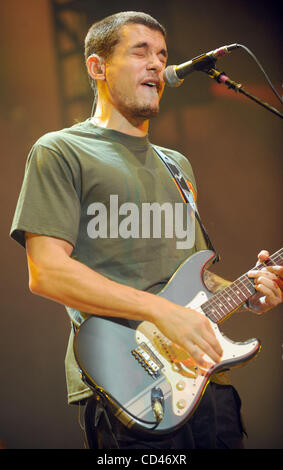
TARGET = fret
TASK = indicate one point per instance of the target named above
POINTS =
(246, 285)
(238, 290)
(236, 299)
(218, 305)
(212, 304)
(226, 296)
(230, 298)
(213, 314)
(227, 300)
(210, 312)
(222, 304)
(233, 295)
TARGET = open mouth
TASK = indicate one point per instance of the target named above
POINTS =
(151, 84)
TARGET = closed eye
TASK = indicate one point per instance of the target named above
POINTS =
(142, 48)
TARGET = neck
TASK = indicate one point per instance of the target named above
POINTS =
(107, 116)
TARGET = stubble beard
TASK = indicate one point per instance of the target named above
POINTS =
(137, 112)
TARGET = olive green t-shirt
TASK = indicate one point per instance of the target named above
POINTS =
(89, 186)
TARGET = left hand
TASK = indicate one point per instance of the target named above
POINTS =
(268, 285)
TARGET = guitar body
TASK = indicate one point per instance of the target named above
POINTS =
(127, 364)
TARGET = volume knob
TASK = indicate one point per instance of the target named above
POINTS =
(180, 385)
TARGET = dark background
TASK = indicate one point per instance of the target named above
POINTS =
(234, 145)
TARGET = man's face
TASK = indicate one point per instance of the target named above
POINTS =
(134, 72)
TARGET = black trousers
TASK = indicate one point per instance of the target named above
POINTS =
(216, 424)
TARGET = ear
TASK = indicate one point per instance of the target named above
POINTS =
(96, 67)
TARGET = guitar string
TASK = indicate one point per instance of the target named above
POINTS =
(219, 301)
(246, 283)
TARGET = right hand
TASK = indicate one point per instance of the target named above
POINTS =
(191, 331)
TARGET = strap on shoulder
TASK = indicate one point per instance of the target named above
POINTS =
(180, 180)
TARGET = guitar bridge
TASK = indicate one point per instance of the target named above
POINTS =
(147, 360)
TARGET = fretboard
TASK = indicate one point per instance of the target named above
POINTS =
(232, 297)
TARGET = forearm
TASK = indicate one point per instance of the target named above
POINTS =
(72, 283)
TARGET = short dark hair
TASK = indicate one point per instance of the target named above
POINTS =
(103, 35)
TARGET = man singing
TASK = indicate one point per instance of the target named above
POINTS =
(102, 271)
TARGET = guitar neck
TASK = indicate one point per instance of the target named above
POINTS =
(222, 304)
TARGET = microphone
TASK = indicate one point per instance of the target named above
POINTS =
(174, 74)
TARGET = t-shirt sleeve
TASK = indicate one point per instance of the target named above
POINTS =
(48, 203)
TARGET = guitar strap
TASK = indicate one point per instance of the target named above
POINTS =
(186, 192)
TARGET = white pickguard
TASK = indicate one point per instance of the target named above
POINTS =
(185, 381)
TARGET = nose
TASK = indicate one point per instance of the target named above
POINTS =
(154, 63)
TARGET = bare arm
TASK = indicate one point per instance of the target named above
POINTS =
(55, 275)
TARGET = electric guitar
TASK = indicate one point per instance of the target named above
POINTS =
(153, 385)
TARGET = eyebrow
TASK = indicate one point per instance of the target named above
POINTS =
(144, 45)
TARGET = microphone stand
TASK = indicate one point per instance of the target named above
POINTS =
(221, 77)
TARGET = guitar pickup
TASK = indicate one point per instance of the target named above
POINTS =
(147, 360)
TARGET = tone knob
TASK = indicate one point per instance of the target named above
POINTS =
(181, 404)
